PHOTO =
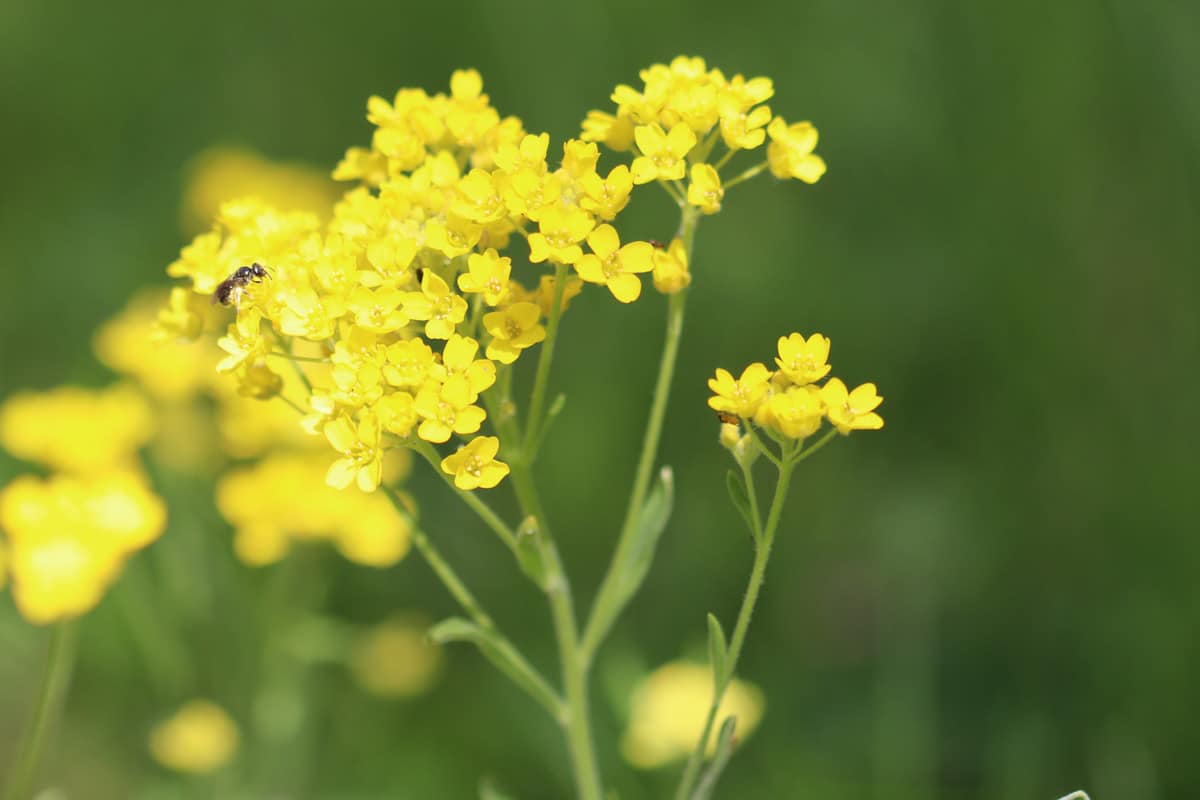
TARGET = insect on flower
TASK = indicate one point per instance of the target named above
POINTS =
(230, 290)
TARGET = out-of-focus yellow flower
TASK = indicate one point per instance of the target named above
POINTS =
(225, 173)
(285, 498)
(475, 466)
(199, 738)
(790, 153)
(705, 190)
(166, 367)
(396, 659)
(741, 396)
(75, 429)
(852, 410)
(362, 459)
(70, 536)
(669, 707)
(671, 268)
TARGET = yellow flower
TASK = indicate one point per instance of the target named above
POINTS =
(513, 329)
(705, 191)
(790, 153)
(396, 659)
(408, 363)
(75, 429)
(607, 197)
(397, 413)
(671, 268)
(851, 410)
(377, 310)
(663, 155)
(458, 358)
(560, 230)
(359, 444)
(436, 303)
(69, 538)
(796, 412)
(668, 710)
(285, 498)
(616, 132)
(487, 274)
(803, 361)
(199, 738)
(615, 266)
(744, 131)
(445, 408)
(741, 396)
(475, 466)
(544, 296)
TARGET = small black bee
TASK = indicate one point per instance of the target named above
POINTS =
(229, 291)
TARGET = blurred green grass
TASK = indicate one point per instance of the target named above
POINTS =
(995, 597)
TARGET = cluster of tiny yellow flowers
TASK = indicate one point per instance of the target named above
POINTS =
(668, 709)
(401, 311)
(788, 401)
(69, 535)
(197, 739)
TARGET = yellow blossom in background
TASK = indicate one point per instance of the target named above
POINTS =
(284, 498)
(790, 153)
(669, 707)
(199, 738)
(224, 173)
(475, 466)
(69, 537)
(852, 410)
(76, 429)
(396, 658)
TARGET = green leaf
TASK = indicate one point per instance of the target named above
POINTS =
(631, 570)
(718, 652)
(488, 791)
(740, 497)
(720, 758)
(503, 655)
(529, 554)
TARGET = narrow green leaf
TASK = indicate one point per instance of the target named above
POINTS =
(556, 407)
(503, 655)
(720, 758)
(488, 791)
(529, 555)
(740, 497)
(633, 567)
(718, 652)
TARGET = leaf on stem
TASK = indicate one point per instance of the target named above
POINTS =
(741, 498)
(529, 555)
(720, 758)
(718, 653)
(503, 656)
(488, 791)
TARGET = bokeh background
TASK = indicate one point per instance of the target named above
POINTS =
(995, 597)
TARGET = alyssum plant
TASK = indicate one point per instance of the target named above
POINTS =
(458, 249)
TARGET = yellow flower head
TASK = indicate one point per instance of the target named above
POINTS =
(445, 408)
(75, 429)
(797, 412)
(435, 303)
(475, 466)
(790, 153)
(668, 710)
(803, 361)
(663, 155)
(199, 738)
(396, 658)
(671, 268)
(487, 274)
(615, 266)
(69, 538)
(560, 230)
(851, 410)
(513, 329)
(705, 190)
(742, 396)
(362, 459)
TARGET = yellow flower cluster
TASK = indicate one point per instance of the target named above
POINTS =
(197, 739)
(668, 709)
(68, 536)
(788, 401)
(284, 498)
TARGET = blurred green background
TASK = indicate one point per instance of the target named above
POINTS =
(995, 597)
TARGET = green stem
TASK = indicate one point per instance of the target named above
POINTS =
(609, 591)
(60, 662)
(537, 401)
(482, 509)
(574, 666)
(745, 176)
(762, 555)
(824, 440)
